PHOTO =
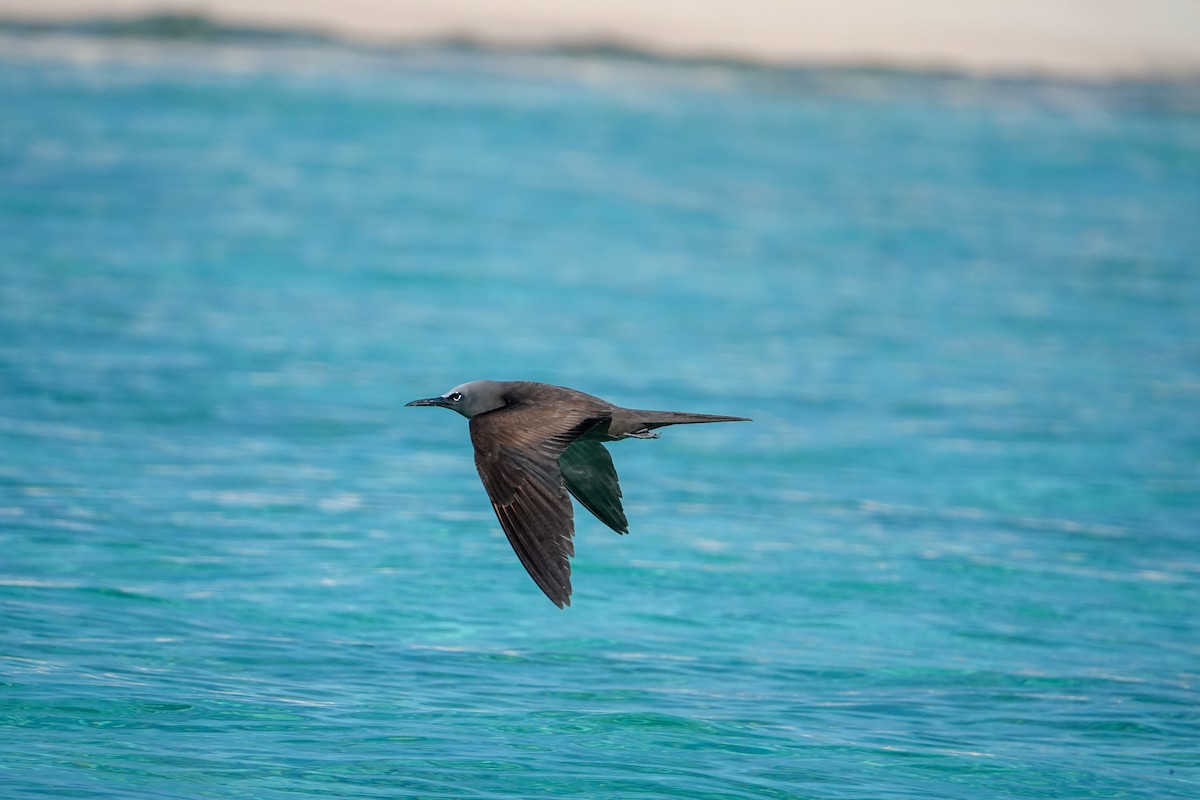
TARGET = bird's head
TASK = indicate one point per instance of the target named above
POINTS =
(469, 399)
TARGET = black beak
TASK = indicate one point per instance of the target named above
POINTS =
(440, 402)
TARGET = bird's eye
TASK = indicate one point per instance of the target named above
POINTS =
(454, 397)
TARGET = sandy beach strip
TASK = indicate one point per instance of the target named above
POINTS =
(1077, 38)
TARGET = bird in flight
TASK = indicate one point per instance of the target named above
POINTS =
(534, 443)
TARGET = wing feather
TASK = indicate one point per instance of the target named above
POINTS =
(589, 474)
(516, 452)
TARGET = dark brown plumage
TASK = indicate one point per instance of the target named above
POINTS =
(536, 445)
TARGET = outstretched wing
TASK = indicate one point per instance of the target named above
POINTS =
(516, 452)
(588, 472)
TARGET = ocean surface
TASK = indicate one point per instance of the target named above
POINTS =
(956, 554)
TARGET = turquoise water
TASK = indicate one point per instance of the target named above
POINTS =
(954, 556)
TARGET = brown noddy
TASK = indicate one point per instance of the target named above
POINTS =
(534, 443)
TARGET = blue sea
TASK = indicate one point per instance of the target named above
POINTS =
(955, 555)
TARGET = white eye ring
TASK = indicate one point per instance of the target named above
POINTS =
(454, 397)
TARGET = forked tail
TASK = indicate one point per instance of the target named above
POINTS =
(650, 420)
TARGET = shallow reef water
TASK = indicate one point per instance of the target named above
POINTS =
(955, 554)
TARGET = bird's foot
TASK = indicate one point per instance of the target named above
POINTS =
(644, 433)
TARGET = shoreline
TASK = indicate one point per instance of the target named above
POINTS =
(225, 20)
